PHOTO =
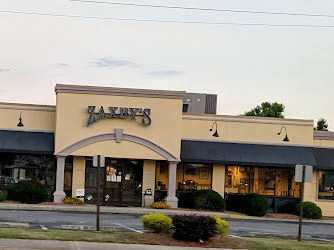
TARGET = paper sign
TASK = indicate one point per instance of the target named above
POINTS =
(108, 178)
(119, 178)
(127, 177)
(80, 193)
(113, 177)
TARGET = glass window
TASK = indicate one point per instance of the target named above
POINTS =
(161, 176)
(326, 185)
(68, 174)
(237, 180)
(265, 181)
(189, 177)
(22, 167)
(195, 177)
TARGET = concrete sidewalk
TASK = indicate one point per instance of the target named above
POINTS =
(140, 210)
(105, 209)
(53, 244)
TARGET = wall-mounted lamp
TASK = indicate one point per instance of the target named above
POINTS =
(215, 134)
(20, 124)
(286, 133)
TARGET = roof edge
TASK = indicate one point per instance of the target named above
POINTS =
(323, 135)
(98, 90)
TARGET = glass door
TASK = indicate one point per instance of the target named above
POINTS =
(112, 193)
(123, 183)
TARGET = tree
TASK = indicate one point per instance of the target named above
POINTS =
(322, 124)
(267, 109)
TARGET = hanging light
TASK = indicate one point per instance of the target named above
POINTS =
(286, 139)
(215, 134)
(20, 124)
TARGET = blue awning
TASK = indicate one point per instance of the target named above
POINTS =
(26, 142)
(324, 158)
(245, 154)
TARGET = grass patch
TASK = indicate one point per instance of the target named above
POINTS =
(161, 239)
(275, 244)
(65, 235)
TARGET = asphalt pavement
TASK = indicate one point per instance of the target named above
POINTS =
(132, 222)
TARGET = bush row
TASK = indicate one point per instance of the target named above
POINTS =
(310, 210)
(2, 196)
(186, 227)
(251, 204)
(203, 200)
(257, 205)
(31, 192)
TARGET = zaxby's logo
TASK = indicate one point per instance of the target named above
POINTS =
(116, 112)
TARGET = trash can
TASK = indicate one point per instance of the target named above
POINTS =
(148, 198)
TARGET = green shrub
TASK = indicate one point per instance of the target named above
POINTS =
(156, 222)
(251, 204)
(30, 192)
(160, 205)
(185, 200)
(257, 205)
(71, 200)
(310, 210)
(222, 226)
(193, 228)
(208, 200)
(2, 196)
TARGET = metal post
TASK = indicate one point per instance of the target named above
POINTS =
(98, 197)
(301, 197)
(275, 192)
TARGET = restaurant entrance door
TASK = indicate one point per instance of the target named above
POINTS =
(123, 183)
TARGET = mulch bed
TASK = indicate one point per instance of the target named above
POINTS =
(168, 240)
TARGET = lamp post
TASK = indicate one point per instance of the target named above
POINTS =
(215, 134)
(20, 124)
(286, 134)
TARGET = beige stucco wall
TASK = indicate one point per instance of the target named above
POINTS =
(122, 150)
(78, 180)
(323, 143)
(311, 194)
(148, 177)
(34, 117)
(72, 117)
(247, 129)
(218, 179)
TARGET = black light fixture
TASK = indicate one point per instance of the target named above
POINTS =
(286, 134)
(215, 134)
(20, 124)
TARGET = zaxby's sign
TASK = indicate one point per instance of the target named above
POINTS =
(116, 112)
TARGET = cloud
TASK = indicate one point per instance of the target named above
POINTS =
(4, 70)
(110, 62)
(63, 65)
(165, 73)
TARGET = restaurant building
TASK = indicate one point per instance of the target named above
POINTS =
(170, 142)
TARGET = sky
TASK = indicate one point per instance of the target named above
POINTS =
(244, 64)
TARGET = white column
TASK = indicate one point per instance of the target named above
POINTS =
(171, 198)
(59, 194)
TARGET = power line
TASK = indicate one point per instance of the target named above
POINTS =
(165, 21)
(203, 9)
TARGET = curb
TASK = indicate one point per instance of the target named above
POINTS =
(245, 217)
(117, 210)
(92, 228)
(13, 225)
